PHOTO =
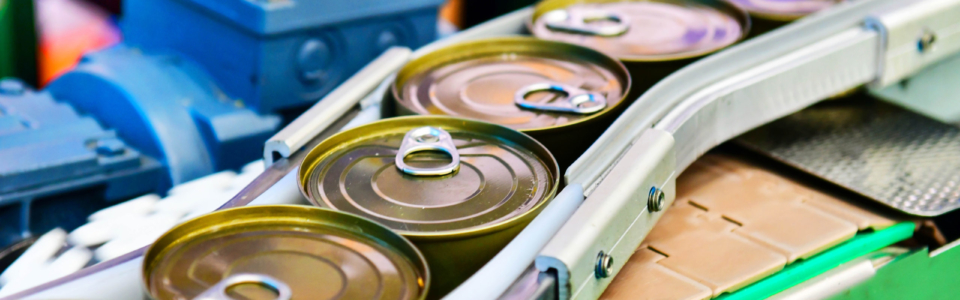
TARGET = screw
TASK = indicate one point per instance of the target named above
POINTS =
(655, 199)
(926, 41)
(604, 265)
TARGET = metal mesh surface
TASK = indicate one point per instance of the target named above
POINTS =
(897, 157)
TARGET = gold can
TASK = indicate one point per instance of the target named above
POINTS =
(283, 251)
(458, 189)
(555, 92)
(653, 37)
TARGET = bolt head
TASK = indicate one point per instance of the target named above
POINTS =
(926, 41)
(604, 265)
(655, 199)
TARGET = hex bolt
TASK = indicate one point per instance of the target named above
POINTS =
(926, 41)
(604, 265)
(655, 199)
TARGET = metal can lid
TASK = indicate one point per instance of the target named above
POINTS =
(454, 176)
(656, 30)
(519, 82)
(783, 10)
(281, 250)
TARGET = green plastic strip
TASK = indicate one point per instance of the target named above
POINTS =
(801, 271)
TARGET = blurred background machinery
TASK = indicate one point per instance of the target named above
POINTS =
(194, 87)
(18, 40)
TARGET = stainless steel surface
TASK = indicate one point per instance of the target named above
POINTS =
(671, 91)
(902, 159)
(219, 290)
(614, 219)
(771, 90)
(917, 34)
(424, 139)
(575, 100)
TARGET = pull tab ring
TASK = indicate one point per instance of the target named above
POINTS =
(573, 103)
(219, 290)
(583, 22)
(428, 138)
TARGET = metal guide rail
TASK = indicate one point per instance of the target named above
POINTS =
(617, 190)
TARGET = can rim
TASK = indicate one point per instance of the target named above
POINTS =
(309, 163)
(382, 233)
(734, 11)
(779, 17)
(451, 53)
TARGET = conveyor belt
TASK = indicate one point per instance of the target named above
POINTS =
(732, 224)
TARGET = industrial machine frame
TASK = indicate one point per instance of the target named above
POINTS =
(613, 193)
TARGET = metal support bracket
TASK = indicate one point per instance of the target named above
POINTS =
(603, 233)
(916, 35)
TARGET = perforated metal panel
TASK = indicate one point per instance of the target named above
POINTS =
(897, 157)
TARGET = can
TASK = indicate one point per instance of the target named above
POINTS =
(771, 14)
(653, 37)
(459, 189)
(555, 92)
(279, 251)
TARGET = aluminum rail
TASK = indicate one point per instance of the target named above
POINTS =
(718, 98)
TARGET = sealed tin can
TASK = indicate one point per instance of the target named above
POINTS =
(283, 251)
(555, 92)
(771, 14)
(653, 37)
(458, 189)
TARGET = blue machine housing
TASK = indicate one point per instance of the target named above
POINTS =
(57, 166)
(274, 55)
(167, 108)
(199, 84)
(196, 87)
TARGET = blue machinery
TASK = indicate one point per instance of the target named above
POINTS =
(197, 86)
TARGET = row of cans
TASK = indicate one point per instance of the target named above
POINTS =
(417, 203)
